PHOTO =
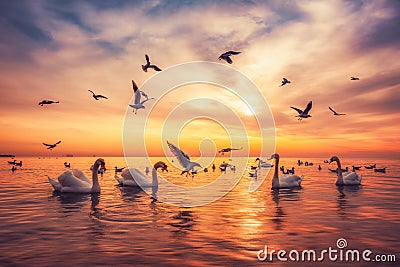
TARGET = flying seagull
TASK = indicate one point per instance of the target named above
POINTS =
(335, 113)
(303, 114)
(226, 56)
(183, 158)
(228, 149)
(97, 96)
(51, 146)
(138, 94)
(148, 65)
(284, 81)
(354, 78)
(47, 102)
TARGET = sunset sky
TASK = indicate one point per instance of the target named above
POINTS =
(58, 50)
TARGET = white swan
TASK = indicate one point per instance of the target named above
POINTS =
(285, 181)
(350, 178)
(263, 164)
(74, 181)
(134, 177)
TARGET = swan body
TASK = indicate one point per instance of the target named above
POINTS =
(75, 181)
(286, 180)
(134, 177)
(350, 178)
(263, 164)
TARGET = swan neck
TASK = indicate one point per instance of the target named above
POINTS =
(275, 179)
(340, 176)
(276, 167)
(95, 176)
(154, 181)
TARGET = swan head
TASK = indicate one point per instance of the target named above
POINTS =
(99, 162)
(161, 165)
(334, 158)
(274, 156)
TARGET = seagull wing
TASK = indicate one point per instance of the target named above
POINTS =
(137, 97)
(233, 52)
(228, 59)
(155, 67)
(309, 106)
(147, 59)
(182, 157)
(144, 94)
(91, 92)
(57, 142)
(334, 112)
(46, 144)
(298, 110)
(102, 96)
(134, 86)
(144, 101)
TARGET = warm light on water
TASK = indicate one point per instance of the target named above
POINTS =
(124, 226)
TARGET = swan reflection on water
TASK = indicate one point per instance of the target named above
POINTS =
(183, 222)
(283, 195)
(344, 193)
(70, 202)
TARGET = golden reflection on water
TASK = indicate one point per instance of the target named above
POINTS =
(124, 225)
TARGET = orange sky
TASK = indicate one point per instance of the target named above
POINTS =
(59, 51)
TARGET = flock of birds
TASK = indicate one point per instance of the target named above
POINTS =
(139, 101)
(76, 181)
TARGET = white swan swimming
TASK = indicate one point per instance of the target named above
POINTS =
(134, 177)
(351, 178)
(285, 181)
(74, 181)
(263, 164)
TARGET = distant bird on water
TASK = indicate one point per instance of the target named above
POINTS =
(138, 104)
(335, 113)
(18, 163)
(97, 96)
(226, 56)
(47, 102)
(354, 78)
(51, 146)
(118, 169)
(284, 81)
(148, 65)
(303, 114)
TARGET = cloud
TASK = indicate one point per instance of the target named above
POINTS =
(59, 50)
